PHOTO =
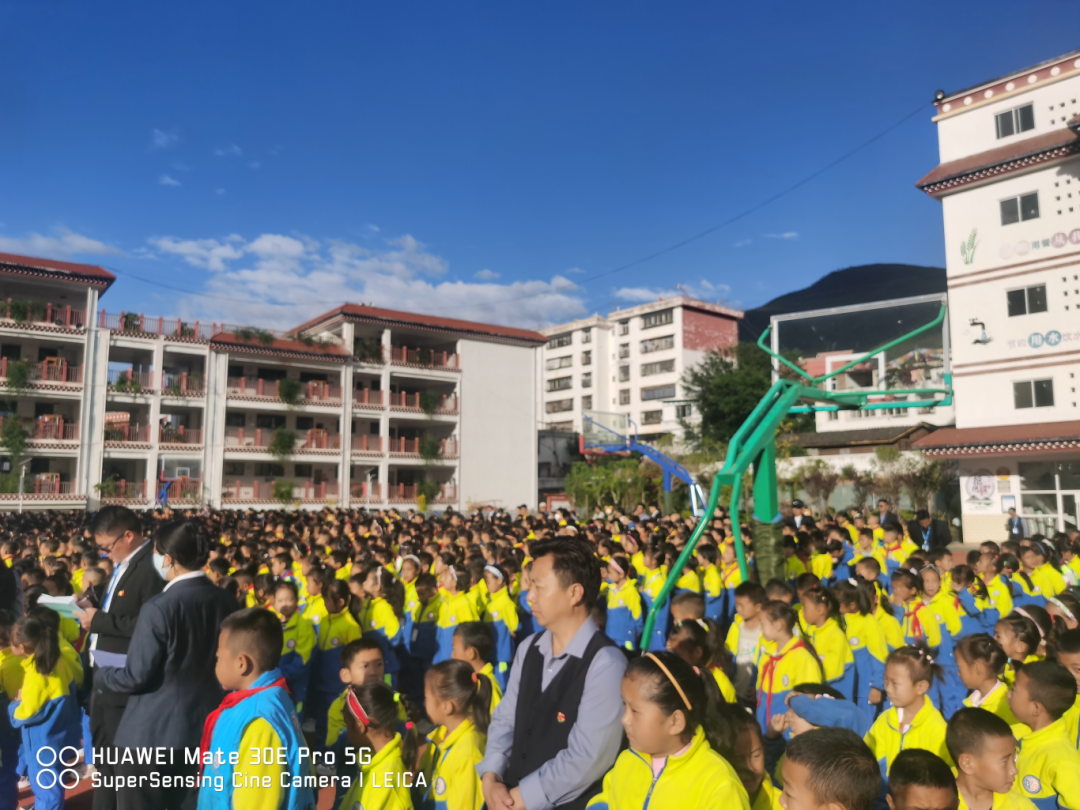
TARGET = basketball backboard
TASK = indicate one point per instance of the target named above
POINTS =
(604, 428)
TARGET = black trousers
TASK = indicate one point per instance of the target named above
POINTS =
(146, 797)
(106, 709)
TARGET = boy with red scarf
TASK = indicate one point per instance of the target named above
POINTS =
(256, 715)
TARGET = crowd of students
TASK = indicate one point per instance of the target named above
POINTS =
(875, 671)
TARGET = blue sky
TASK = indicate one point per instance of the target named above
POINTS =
(489, 161)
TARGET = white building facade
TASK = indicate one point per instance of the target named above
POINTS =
(1009, 185)
(360, 406)
(631, 362)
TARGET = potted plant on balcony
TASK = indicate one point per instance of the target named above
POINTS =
(131, 322)
(429, 401)
(289, 390)
(367, 350)
(13, 438)
(283, 444)
(424, 357)
(107, 488)
(127, 384)
(185, 330)
(430, 448)
(18, 376)
(426, 492)
(283, 491)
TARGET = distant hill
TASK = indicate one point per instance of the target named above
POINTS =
(853, 285)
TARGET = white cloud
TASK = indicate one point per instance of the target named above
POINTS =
(162, 139)
(61, 246)
(742, 243)
(638, 295)
(703, 289)
(168, 181)
(373, 228)
(486, 275)
(289, 279)
(575, 270)
(232, 150)
(784, 235)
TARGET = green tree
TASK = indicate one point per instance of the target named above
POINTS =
(861, 481)
(13, 438)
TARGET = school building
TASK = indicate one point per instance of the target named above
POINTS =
(359, 406)
(1009, 186)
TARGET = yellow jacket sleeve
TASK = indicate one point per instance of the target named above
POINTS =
(258, 735)
(1065, 782)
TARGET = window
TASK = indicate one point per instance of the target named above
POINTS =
(1023, 208)
(269, 470)
(233, 419)
(1026, 301)
(657, 318)
(684, 411)
(559, 405)
(234, 468)
(624, 373)
(560, 383)
(657, 344)
(652, 417)
(586, 403)
(302, 470)
(624, 396)
(658, 392)
(553, 363)
(624, 351)
(567, 427)
(586, 380)
(1013, 121)
(660, 367)
(624, 328)
(559, 341)
(12, 351)
(305, 422)
(269, 421)
(1033, 394)
(586, 358)
(586, 335)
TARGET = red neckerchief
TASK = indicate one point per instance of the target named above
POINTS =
(916, 625)
(768, 672)
(230, 700)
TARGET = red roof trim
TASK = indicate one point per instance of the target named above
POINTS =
(1003, 434)
(71, 271)
(294, 348)
(367, 314)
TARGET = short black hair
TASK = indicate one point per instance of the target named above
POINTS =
(1068, 641)
(690, 601)
(478, 635)
(968, 729)
(1050, 684)
(112, 521)
(257, 632)
(840, 767)
(917, 767)
(357, 646)
(753, 591)
(573, 562)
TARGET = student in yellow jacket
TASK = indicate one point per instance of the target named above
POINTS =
(385, 778)
(669, 762)
(1048, 763)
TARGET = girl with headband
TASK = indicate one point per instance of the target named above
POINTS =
(387, 768)
(624, 615)
(671, 762)
(381, 615)
(455, 609)
(501, 614)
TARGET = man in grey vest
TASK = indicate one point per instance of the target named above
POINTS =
(558, 728)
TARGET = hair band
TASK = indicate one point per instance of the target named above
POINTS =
(1027, 616)
(491, 569)
(453, 573)
(853, 582)
(704, 626)
(397, 697)
(612, 564)
(414, 558)
(671, 678)
(409, 726)
(1061, 606)
(475, 679)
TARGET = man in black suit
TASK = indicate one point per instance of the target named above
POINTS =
(800, 519)
(927, 533)
(116, 531)
(885, 513)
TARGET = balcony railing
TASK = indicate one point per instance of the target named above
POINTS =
(126, 381)
(188, 489)
(47, 371)
(242, 491)
(367, 398)
(406, 493)
(424, 358)
(372, 492)
(315, 392)
(262, 437)
(125, 433)
(319, 440)
(125, 491)
(180, 435)
(402, 400)
(135, 323)
(367, 443)
(49, 430)
(50, 486)
(183, 385)
(400, 446)
(22, 312)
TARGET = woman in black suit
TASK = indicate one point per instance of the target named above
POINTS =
(169, 671)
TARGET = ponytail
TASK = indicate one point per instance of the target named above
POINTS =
(470, 692)
(43, 641)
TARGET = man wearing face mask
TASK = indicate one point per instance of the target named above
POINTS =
(169, 669)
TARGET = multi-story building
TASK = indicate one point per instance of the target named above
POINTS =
(1009, 186)
(360, 406)
(632, 363)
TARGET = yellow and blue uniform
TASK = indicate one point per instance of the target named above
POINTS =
(478, 593)
(997, 702)
(11, 681)
(454, 610)
(713, 590)
(70, 657)
(891, 734)
(689, 581)
(377, 618)
(315, 610)
(890, 626)
(875, 552)
(698, 778)
(47, 716)
(1027, 591)
(624, 615)
(731, 576)
(977, 613)
(654, 580)
(920, 625)
(821, 565)
(767, 797)
(377, 787)
(896, 555)
(449, 767)
(793, 568)
(1048, 768)
(1002, 801)
(951, 691)
(332, 635)
(501, 613)
(1000, 590)
(1049, 580)
(779, 672)
(296, 652)
(421, 629)
(834, 651)
(1009, 673)
(488, 671)
(869, 651)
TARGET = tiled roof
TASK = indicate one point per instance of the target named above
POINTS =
(86, 273)
(334, 353)
(392, 316)
(960, 442)
(869, 436)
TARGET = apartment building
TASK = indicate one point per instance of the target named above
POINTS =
(1009, 187)
(631, 362)
(360, 406)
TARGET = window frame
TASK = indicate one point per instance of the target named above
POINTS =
(1027, 300)
(652, 417)
(1018, 201)
(648, 346)
(1028, 391)
(559, 341)
(1015, 118)
(556, 384)
(652, 393)
(552, 406)
(568, 358)
(661, 317)
(658, 367)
